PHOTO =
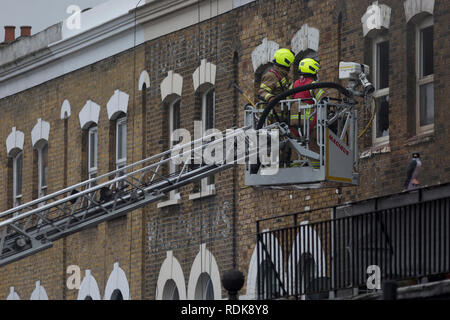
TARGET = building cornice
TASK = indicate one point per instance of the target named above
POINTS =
(151, 20)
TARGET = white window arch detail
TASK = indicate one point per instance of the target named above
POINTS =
(13, 295)
(89, 287)
(171, 270)
(89, 114)
(172, 84)
(416, 7)
(14, 142)
(252, 277)
(65, 110)
(205, 73)
(117, 280)
(264, 53)
(40, 132)
(117, 104)
(313, 247)
(376, 17)
(305, 38)
(204, 263)
(39, 292)
(144, 78)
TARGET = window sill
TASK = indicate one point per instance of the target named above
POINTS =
(372, 151)
(210, 191)
(420, 138)
(170, 202)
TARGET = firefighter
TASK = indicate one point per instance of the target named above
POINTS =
(277, 79)
(308, 69)
(275, 82)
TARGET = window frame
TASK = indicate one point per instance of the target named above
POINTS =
(206, 187)
(92, 171)
(42, 190)
(379, 93)
(121, 162)
(421, 81)
(204, 288)
(174, 195)
(17, 198)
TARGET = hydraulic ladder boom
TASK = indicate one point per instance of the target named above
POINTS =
(34, 226)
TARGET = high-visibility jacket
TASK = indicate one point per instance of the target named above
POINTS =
(274, 82)
(309, 94)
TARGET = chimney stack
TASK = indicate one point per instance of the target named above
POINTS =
(25, 31)
(10, 33)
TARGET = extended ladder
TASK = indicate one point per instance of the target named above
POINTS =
(34, 226)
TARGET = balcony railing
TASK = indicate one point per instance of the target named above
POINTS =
(358, 251)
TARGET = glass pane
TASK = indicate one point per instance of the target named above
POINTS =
(426, 104)
(176, 295)
(209, 110)
(18, 173)
(209, 290)
(93, 149)
(383, 65)
(44, 166)
(175, 124)
(382, 117)
(176, 115)
(426, 37)
(121, 140)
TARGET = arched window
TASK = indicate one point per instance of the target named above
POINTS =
(170, 291)
(92, 152)
(17, 179)
(171, 90)
(424, 75)
(42, 151)
(116, 295)
(204, 289)
(174, 124)
(121, 142)
(39, 139)
(14, 150)
(207, 93)
(380, 65)
(375, 24)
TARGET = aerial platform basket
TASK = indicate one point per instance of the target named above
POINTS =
(320, 156)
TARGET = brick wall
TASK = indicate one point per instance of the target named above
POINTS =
(226, 222)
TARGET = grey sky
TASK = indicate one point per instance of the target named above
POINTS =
(39, 14)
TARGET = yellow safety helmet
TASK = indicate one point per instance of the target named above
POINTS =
(284, 57)
(309, 66)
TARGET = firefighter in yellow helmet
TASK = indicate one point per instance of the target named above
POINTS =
(308, 69)
(277, 79)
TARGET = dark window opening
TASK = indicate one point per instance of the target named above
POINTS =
(116, 295)
(382, 116)
(427, 51)
(383, 65)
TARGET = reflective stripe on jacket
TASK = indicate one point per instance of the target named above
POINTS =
(274, 82)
